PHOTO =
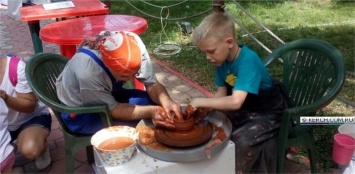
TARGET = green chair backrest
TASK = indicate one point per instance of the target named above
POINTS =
(45, 71)
(42, 71)
(313, 72)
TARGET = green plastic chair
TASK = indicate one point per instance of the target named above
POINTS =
(42, 71)
(314, 74)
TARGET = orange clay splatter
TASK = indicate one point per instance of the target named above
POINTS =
(221, 135)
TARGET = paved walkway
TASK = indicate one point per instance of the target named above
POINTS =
(15, 38)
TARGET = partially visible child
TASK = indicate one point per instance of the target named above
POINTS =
(7, 155)
(29, 121)
(251, 99)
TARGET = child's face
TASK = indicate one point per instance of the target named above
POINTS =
(216, 50)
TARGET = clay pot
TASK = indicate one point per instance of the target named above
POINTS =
(184, 125)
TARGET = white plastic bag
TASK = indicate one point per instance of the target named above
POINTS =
(351, 168)
(4, 2)
(13, 8)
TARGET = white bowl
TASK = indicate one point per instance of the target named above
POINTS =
(115, 155)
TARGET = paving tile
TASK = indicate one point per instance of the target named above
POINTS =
(55, 134)
(60, 142)
(52, 145)
(85, 168)
(57, 154)
(55, 124)
(57, 166)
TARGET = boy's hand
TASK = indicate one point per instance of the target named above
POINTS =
(189, 112)
(162, 119)
(198, 113)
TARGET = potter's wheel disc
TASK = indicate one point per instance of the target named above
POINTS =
(193, 153)
(198, 135)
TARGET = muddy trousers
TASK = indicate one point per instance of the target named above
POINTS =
(255, 138)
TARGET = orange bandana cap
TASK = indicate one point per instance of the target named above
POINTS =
(121, 53)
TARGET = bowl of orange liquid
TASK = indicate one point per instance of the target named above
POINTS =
(116, 145)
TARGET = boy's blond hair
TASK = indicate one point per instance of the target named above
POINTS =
(218, 25)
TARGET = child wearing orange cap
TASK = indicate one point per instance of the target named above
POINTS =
(95, 75)
(251, 99)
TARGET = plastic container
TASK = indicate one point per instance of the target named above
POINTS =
(343, 148)
(116, 145)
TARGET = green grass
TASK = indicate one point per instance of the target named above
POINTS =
(329, 20)
(332, 21)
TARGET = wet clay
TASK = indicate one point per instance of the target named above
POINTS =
(221, 135)
(116, 143)
(147, 137)
(198, 135)
(186, 132)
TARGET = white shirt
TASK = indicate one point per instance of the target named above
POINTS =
(5, 147)
(15, 118)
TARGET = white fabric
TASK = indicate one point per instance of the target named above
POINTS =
(13, 9)
(351, 167)
(5, 147)
(15, 118)
(3, 2)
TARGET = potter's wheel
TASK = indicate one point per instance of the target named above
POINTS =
(198, 135)
(193, 153)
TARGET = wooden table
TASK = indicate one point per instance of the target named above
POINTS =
(70, 33)
(33, 14)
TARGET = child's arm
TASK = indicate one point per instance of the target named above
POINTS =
(219, 102)
(24, 102)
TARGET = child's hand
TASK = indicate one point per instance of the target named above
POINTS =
(172, 109)
(189, 111)
(198, 113)
(3, 95)
(161, 119)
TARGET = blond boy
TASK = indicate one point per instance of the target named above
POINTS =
(251, 99)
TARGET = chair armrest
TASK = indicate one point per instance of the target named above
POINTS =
(84, 109)
(102, 110)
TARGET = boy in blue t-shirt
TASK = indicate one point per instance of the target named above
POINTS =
(253, 101)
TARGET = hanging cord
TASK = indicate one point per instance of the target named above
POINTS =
(168, 19)
(153, 5)
(258, 22)
(166, 49)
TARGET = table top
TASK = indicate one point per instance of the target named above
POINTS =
(221, 162)
(73, 31)
(82, 8)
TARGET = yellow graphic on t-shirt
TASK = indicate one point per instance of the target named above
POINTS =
(230, 79)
